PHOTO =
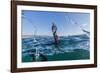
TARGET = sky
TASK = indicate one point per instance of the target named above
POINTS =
(40, 22)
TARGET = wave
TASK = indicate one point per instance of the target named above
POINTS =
(45, 45)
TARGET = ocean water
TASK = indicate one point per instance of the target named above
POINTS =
(43, 48)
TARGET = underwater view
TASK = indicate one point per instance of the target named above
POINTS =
(42, 48)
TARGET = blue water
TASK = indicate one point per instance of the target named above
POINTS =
(69, 48)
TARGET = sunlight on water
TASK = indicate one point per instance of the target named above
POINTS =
(44, 46)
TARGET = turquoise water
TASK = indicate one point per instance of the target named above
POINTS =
(43, 48)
